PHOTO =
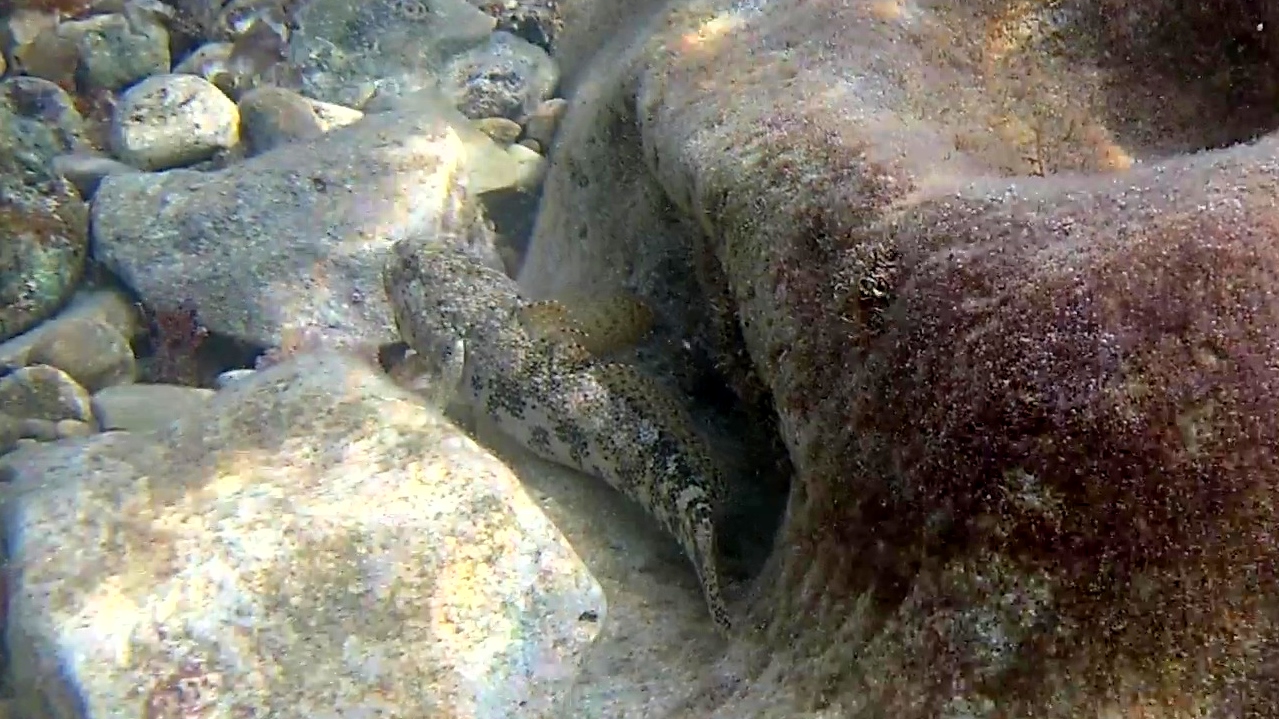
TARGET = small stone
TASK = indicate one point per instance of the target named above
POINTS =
(21, 27)
(504, 131)
(273, 116)
(532, 144)
(334, 116)
(531, 166)
(40, 430)
(94, 353)
(207, 61)
(352, 528)
(544, 120)
(115, 52)
(43, 392)
(86, 171)
(146, 407)
(44, 54)
(43, 220)
(507, 77)
(70, 428)
(538, 21)
(102, 305)
(171, 120)
(45, 118)
(232, 376)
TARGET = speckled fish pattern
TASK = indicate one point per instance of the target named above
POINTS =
(557, 399)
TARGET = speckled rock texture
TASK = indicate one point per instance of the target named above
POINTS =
(313, 542)
(1006, 272)
(44, 223)
(295, 238)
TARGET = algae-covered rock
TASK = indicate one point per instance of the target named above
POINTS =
(1006, 273)
(44, 237)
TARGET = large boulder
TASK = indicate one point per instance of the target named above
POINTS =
(1007, 272)
(312, 541)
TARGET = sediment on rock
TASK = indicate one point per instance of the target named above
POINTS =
(1007, 271)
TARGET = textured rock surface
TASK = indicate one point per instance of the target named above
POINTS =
(146, 407)
(313, 542)
(108, 307)
(294, 238)
(345, 52)
(44, 233)
(1014, 311)
(95, 353)
(169, 121)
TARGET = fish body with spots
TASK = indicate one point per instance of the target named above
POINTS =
(548, 392)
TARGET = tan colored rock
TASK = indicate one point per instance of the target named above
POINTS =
(93, 352)
(105, 306)
(44, 392)
(504, 131)
(71, 428)
(380, 560)
(542, 123)
(1005, 274)
(334, 116)
(272, 116)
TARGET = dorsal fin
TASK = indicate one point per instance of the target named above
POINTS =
(599, 324)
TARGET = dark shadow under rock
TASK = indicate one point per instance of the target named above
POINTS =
(1019, 325)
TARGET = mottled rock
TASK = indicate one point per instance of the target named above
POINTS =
(1005, 274)
(146, 407)
(41, 117)
(168, 121)
(506, 77)
(116, 51)
(86, 171)
(334, 116)
(541, 124)
(345, 52)
(72, 428)
(106, 306)
(93, 352)
(43, 228)
(207, 61)
(294, 239)
(43, 392)
(33, 44)
(504, 131)
(272, 116)
(537, 21)
(385, 563)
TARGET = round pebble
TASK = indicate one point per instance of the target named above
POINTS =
(94, 353)
(168, 121)
(42, 392)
